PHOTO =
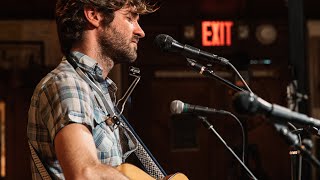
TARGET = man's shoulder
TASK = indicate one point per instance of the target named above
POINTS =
(63, 70)
(63, 75)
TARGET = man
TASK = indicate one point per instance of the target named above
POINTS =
(69, 125)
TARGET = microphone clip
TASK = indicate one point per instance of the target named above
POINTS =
(202, 69)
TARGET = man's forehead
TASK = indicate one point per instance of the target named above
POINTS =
(129, 9)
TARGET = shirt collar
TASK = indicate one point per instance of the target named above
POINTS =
(91, 66)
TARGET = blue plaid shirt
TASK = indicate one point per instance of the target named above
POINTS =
(63, 97)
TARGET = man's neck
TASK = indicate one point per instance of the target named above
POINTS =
(105, 63)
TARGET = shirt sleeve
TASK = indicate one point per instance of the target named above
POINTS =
(66, 100)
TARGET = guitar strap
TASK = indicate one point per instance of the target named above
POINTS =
(36, 160)
(143, 154)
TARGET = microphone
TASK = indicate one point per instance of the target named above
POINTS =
(168, 44)
(178, 107)
(248, 103)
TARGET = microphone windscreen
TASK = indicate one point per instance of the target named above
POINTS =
(163, 41)
(244, 102)
(176, 107)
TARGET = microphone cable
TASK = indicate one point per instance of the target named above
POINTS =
(242, 131)
(241, 127)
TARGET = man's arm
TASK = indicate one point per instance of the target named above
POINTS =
(77, 155)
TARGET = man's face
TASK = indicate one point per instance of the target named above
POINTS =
(119, 40)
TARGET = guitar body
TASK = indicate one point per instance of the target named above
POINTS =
(134, 173)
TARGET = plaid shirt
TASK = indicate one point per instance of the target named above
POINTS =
(63, 97)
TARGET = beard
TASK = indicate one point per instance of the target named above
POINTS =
(115, 45)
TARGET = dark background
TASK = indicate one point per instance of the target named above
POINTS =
(182, 143)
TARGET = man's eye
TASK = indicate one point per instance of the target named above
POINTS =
(130, 18)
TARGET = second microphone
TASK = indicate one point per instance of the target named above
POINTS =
(178, 107)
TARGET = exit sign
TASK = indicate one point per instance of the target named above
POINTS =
(216, 33)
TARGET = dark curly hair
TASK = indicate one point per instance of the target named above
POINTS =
(71, 21)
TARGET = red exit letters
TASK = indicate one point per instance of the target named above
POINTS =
(216, 33)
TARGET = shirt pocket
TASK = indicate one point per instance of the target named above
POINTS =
(100, 113)
(107, 148)
(102, 139)
(100, 116)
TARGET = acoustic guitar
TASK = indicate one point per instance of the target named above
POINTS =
(134, 173)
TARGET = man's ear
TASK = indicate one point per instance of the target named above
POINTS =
(92, 15)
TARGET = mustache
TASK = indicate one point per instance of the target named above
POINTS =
(135, 38)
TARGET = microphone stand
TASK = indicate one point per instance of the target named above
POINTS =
(208, 125)
(207, 72)
(297, 148)
(293, 139)
(296, 158)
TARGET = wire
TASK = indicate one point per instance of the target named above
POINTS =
(242, 130)
(239, 75)
(210, 127)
